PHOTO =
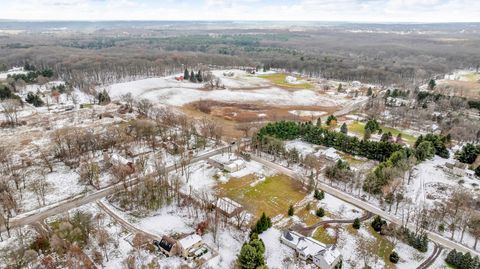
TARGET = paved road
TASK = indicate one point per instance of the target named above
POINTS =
(436, 238)
(82, 199)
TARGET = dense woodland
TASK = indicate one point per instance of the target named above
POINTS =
(345, 52)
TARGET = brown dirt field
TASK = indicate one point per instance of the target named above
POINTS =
(467, 89)
(230, 115)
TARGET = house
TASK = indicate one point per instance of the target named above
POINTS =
(167, 246)
(191, 246)
(309, 249)
(120, 161)
(331, 154)
(235, 166)
(456, 168)
(228, 207)
(251, 71)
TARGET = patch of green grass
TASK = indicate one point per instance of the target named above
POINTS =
(272, 196)
(322, 235)
(279, 80)
(472, 77)
(382, 247)
(359, 129)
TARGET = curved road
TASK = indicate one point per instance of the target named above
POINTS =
(82, 199)
(437, 250)
(307, 231)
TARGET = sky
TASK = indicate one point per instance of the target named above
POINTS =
(280, 10)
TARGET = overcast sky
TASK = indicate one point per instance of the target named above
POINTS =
(302, 10)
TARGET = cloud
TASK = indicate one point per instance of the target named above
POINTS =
(317, 10)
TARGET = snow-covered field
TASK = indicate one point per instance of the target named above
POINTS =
(168, 91)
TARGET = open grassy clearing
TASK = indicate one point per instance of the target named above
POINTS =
(381, 246)
(472, 77)
(273, 195)
(309, 217)
(279, 80)
(359, 129)
(322, 235)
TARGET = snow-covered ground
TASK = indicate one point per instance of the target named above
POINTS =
(339, 208)
(432, 183)
(307, 113)
(13, 71)
(167, 90)
(303, 148)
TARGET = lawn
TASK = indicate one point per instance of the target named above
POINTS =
(359, 129)
(279, 80)
(272, 195)
(382, 247)
(322, 235)
(309, 217)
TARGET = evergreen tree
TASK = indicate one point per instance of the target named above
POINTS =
(186, 75)
(319, 195)
(319, 122)
(291, 211)
(339, 89)
(344, 128)
(372, 125)
(431, 84)
(199, 76)
(248, 257)
(468, 154)
(356, 224)
(262, 224)
(192, 77)
(394, 258)
(320, 212)
(425, 151)
(477, 171)
(378, 223)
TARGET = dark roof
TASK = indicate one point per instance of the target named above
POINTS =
(166, 243)
(288, 236)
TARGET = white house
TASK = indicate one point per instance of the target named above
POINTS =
(331, 154)
(309, 249)
(190, 246)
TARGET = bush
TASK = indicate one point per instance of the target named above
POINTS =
(356, 224)
(34, 99)
(320, 212)
(291, 211)
(319, 195)
(378, 223)
(394, 258)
